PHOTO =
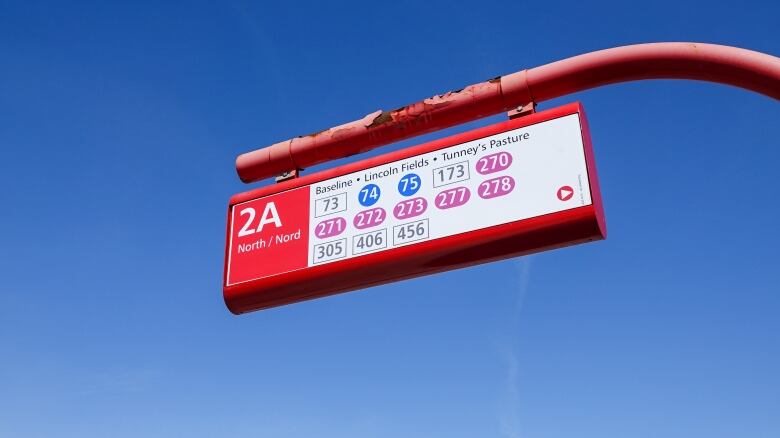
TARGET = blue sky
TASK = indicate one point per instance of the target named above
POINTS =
(120, 126)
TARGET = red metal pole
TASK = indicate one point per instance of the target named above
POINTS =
(742, 68)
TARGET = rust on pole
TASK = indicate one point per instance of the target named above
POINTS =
(742, 68)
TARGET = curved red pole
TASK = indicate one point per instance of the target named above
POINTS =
(742, 68)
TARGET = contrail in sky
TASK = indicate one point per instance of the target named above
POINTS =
(509, 417)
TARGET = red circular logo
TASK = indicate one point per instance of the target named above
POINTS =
(565, 193)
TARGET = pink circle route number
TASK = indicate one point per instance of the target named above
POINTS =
(495, 187)
(453, 198)
(330, 227)
(369, 218)
(494, 163)
(410, 208)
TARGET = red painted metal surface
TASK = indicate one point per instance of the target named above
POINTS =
(747, 69)
(563, 228)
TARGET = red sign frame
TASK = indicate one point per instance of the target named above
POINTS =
(577, 225)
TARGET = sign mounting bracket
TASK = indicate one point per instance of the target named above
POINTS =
(522, 110)
(290, 174)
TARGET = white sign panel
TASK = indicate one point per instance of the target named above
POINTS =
(519, 174)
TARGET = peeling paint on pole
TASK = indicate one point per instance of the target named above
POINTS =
(729, 65)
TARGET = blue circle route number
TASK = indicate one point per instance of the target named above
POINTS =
(369, 195)
(409, 184)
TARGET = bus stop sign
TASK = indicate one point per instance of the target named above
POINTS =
(505, 190)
